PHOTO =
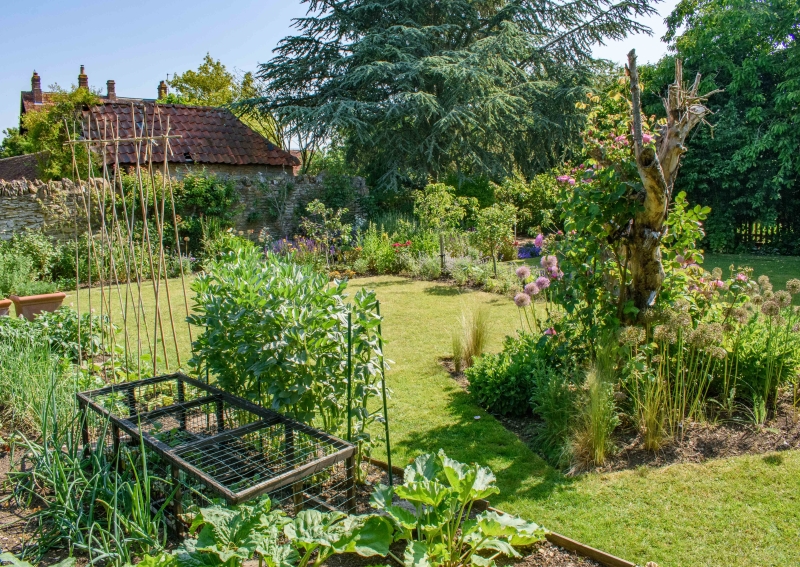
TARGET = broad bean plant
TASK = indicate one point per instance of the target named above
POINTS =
(276, 333)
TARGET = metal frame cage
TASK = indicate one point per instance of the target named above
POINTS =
(208, 439)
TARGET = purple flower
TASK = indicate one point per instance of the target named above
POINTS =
(542, 282)
(523, 272)
(548, 262)
(562, 178)
(571, 181)
(741, 277)
(718, 283)
(647, 138)
(551, 332)
(522, 300)
(538, 241)
(532, 289)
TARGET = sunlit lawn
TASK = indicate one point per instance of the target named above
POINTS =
(742, 511)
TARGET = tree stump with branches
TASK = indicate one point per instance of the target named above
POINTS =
(658, 169)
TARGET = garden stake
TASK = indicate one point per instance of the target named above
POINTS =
(383, 388)
(349, 374)
(441, 254)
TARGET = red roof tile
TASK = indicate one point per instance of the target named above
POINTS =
(207, 134)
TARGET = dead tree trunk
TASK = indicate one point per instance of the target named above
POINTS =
(658, 169)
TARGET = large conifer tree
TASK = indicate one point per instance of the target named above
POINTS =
(419, 88)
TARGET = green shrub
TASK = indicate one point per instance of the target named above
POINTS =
(15, 273)
(502, 383)
(428, 268)
(276, 333)
(34, 246)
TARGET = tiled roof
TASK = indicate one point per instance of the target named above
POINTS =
(14, 168)
(47, 98)
(207, 134)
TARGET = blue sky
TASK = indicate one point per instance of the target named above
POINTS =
(139, 44)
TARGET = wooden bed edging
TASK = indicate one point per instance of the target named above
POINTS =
(556, 539)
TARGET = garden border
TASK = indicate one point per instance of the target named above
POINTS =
(555, 538)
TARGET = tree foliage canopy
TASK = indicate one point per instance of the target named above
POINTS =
(419, 89)
(746, 168)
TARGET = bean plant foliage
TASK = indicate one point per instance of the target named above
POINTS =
(276, 333)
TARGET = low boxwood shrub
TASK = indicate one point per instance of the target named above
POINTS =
(502, 383)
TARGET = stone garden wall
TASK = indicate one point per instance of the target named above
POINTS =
(53, 206)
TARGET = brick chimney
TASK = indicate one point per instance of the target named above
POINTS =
(36, 87)
(83, 80)
(162, 90)
(111, 90)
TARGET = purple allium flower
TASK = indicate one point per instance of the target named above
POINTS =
(538, 241)
(522, 300)
(532, 289)
(548, 262)
(523, 272)
(542, 282)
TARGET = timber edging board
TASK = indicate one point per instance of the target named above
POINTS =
(556, 539)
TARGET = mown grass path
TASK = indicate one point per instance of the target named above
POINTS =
(743, 511)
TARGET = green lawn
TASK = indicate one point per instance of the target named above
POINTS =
(780, 269)
(742, 511)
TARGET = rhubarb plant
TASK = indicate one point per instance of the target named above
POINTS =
(438, 526)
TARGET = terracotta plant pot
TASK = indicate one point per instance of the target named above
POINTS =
(31, 305)
(5, 306)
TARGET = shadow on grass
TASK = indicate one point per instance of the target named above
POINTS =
(443, 290)
(523, 474)
(395, 281)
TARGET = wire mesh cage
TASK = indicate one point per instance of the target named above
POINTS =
(204, 444)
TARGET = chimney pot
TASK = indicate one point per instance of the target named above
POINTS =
(163, 90)
(111, 90)
(36, 87)
(83, 79)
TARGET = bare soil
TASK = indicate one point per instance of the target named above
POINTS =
(544, 554)
(727, 437)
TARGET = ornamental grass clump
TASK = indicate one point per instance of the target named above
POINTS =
(469, 339)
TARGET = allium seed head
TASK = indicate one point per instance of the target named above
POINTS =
(664, 334)
(771, 308)
(783, 298)
(757, 300)
(631, 336)
(522, 300)
(716, 273)
(763, 280)
(793, 286)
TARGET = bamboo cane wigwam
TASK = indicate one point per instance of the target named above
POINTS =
(229, 447)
